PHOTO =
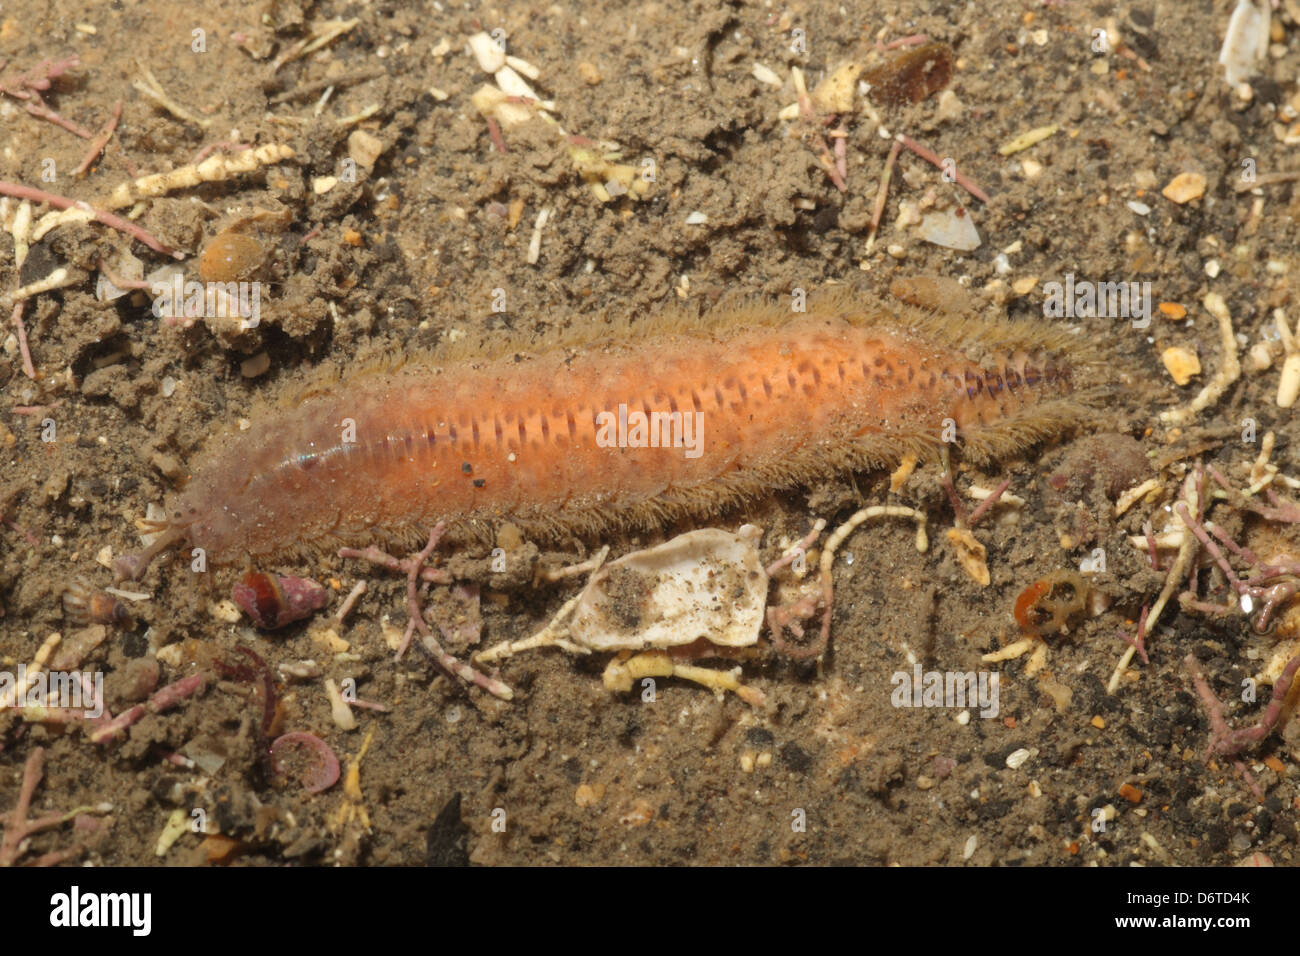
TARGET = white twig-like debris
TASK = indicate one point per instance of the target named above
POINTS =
(57, 279)
(359, 117)
(328, 32)
(1133, 495)
(1288, 385)
(535, 243)
(875, 511)
(1229, 371)
(151, 88)
(213, 169)
(1186, 553)
(21, 231)
(60, 217)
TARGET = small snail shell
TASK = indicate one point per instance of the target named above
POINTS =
(86, 605)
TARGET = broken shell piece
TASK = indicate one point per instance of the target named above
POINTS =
(126, 267)
(364, 148)
(835, 93)
(952, 229)
(971, 555)
(494, 103)
(1183, 364)
(490, 54)
(704, 584)
(515, 85)
(1184, 188)
(1245, 43)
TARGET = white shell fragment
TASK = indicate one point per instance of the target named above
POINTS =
(952, 229)
(708, 583)
(127, 267)
(1245, 43)
(490, 54)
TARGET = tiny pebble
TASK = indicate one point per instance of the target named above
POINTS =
(968, 851)
(1017, 758)
(1140, 208)
(1183, 364)
(255, 366)
(1184, 188)
(225, 611)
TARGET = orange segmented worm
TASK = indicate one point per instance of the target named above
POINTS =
(672, 417)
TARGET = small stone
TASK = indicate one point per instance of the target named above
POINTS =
(255, 366)
(950, 106)
(591, 76)
(1131, 793)
(968, 850)
(1183, 364)
(1017, 758)
(1172, 311)
(364, 148)
(1184, 188)
(1260, 357)
(587, 795)
(1031, 169)
(1098, 722)
(1025, 286)
(168, 465)
(924, 783)
(639, 815)
(329, 639)
(225, 611)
